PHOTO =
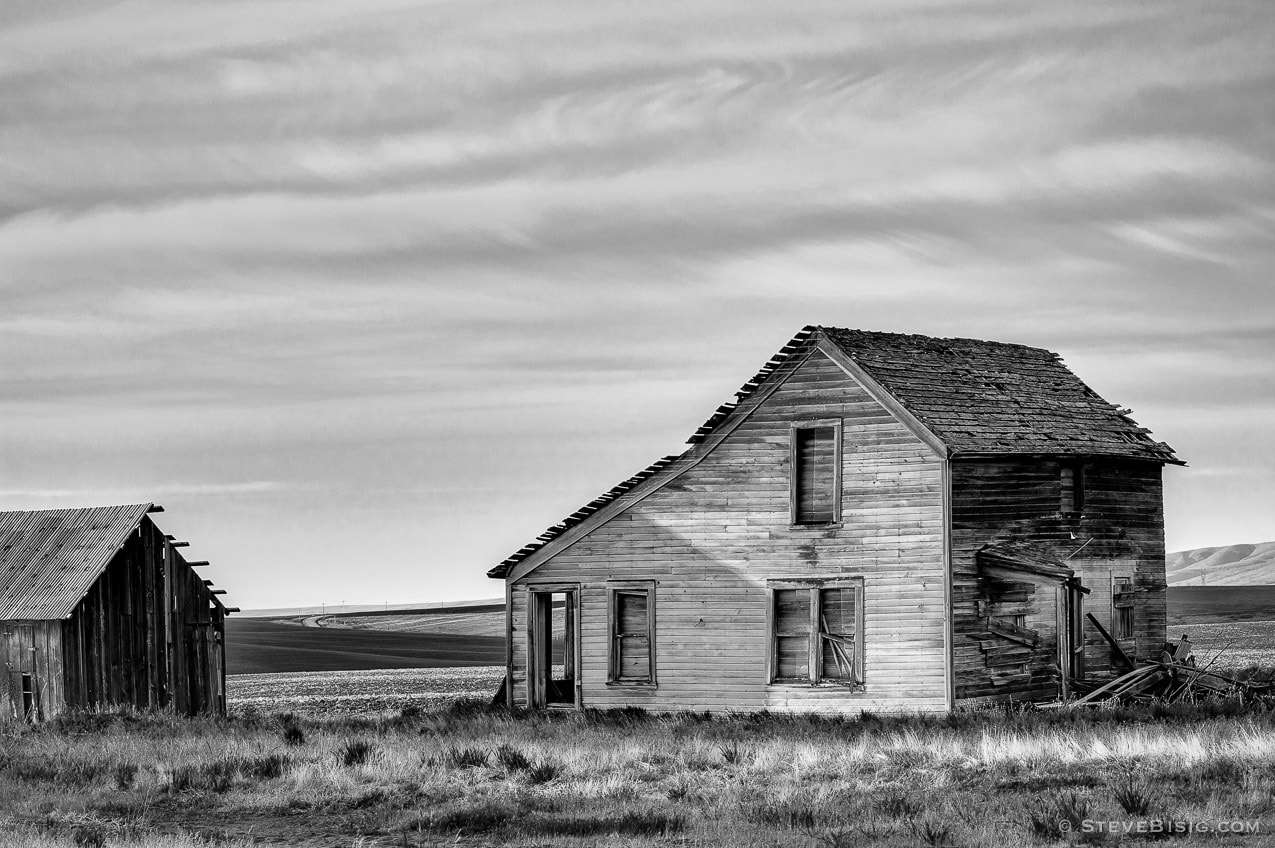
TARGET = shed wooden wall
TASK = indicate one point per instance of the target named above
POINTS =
(35, 648)
(712, 537)
(1021, 499)
(147, 635)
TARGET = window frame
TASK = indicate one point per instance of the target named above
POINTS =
(815, 668)
(614, 663)
(1116, 630)
(1071, 481)
(794, 465)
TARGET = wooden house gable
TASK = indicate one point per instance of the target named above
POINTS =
(714, 534)
(818, 382)
(737, 488)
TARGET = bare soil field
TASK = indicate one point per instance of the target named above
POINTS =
(260, 645)
(1189, 604)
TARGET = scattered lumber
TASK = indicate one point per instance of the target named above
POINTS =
(1175, 678)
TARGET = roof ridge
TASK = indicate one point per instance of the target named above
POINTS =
(1005, 404)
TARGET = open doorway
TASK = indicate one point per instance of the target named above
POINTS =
(553, 674)
(1038, 606)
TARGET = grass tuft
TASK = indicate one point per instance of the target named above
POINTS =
(930, 831)
(512, 759)
(1134, 795)
(544, 771)
(458, 758)
(124, 774)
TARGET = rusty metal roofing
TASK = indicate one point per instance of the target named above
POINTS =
(49, 559)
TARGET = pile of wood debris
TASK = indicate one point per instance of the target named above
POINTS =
(1173, 678)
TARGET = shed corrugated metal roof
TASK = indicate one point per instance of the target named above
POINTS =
(49, 559)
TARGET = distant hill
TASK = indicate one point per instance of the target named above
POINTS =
(1230, 565)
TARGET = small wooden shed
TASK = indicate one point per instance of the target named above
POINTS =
(876, 521)
(98, 608)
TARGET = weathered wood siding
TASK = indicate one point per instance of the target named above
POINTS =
(33, 649)
(1022, 500)
(712, 537)
(146, 635)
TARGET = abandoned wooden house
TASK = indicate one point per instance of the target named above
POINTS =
(876, 522)
(98, 608)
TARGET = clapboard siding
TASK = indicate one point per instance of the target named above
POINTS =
(712, 536)
(1022, 500)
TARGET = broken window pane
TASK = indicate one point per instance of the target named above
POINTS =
(838, 625)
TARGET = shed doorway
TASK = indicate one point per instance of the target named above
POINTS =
(553, 647)
(24, 684)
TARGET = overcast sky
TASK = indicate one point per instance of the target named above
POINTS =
(367, 293)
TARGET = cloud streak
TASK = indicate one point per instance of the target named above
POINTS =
(497, 247)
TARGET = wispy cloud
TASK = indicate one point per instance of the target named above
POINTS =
(497, 244)
(156, 490)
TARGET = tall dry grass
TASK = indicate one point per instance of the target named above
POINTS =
(468, 775)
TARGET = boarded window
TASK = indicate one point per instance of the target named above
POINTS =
(817, 633)
(632, 634)
(1122, 608)
(1072, 485)
(815, 468)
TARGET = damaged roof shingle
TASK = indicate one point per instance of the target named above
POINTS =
(995, 398)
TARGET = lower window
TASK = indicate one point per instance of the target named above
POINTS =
(632, 626)
(816, 633)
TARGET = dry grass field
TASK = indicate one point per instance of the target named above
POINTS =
(466, 775)
(413, 757)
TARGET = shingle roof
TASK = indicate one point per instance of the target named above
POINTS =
(49, 559)
(994, 398)
(978, 397)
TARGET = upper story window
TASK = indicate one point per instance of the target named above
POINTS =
(816, 472)
(1072, 479)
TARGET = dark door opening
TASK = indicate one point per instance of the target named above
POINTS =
(552, 647)
(1076, 629)
(30, 701)
(24, 681)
